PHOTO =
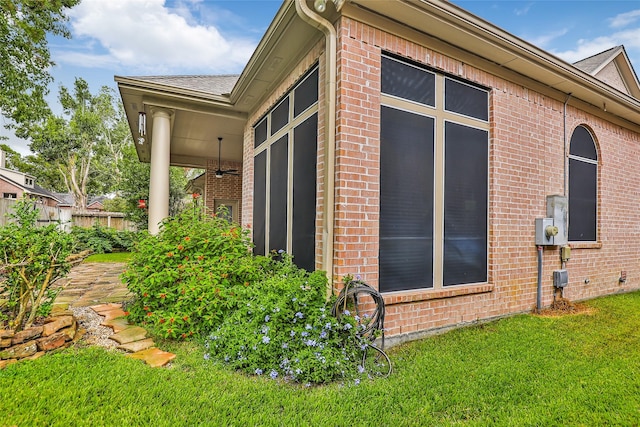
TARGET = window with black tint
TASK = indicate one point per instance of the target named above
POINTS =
(408, 82)
(406, 200)
(467, 100)
(583, 186)
(306, 94)
(280, 116)
(278, 188)
(259, 202)
(305, 153)
(465, 204)
(260, 133)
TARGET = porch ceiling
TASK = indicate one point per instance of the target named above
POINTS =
(196, 125)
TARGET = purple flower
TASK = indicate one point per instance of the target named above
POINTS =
(357, 381)
(310, 343)
(266, 340)
(292, 333)
(358, 277)
(206, 356)
(285, 345)
(304, 333)
(347, 313)
(267, 318)
(299, 315)
(308, 327)
(323, 334)
(280, 251)
(360, 368)
(258, 371)
(328, 326)
(273, 374)
(347, 326)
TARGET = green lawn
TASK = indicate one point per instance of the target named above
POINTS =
(112, 257)
(579, 370)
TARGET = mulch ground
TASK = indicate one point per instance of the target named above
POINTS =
(564, 307)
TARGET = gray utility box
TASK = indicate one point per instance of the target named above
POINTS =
(560, 278)
(557, 208)
(546, 232)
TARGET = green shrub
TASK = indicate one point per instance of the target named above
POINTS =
(102, 240)
(31, 259)
(189, 276)
(284, 329)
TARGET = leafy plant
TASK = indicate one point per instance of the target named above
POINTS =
(189, 276)
(101, 239)
(284, 329)
(32, 259)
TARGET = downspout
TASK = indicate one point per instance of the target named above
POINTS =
(320, 23)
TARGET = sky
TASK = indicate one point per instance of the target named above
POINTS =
(184, 37)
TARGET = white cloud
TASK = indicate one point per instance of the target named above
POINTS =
(624, 19)
(586, 48)
(144, 36)
(524, 10)
(545, 39)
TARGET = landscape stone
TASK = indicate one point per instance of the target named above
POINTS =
(105, 307)
(58, 314)
(6, 333)
(26, 335)
(69, 332)
(56, 325)
(19, 351)
(136, 346)
(154, 357)
(52, 342)
(113, 314)
(118, 324)
(132, 333)
(36, 355)
(5, 342)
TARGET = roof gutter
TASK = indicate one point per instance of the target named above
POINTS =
(320, 23)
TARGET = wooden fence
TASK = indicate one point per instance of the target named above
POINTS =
(68, 218)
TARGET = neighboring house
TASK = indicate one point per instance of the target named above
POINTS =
(15, 185)
(414, 144)
(96, 203)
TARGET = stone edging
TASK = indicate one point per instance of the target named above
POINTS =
(58, 332)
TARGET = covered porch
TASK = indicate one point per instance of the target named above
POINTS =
(187, 121)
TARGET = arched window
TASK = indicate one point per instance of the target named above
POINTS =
(583, 186)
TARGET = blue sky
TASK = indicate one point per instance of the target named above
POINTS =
(159, 37)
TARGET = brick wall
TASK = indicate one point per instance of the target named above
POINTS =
(526, 164)
(5, 187)
(229, 187)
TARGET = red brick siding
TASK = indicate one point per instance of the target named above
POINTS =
(229, 187)
(526, 164)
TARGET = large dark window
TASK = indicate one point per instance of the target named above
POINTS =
(259, 202)
(408, 82)
(305, 153)
(278, 195)
(285, 163)
(434, 185)
(583, 186)
(465, 204)
(406, 200)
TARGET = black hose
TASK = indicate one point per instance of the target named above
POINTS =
(351, 291)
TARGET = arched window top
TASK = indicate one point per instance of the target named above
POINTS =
(582, 144)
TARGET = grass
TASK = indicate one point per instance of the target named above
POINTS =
(111, 257)
(580, 370)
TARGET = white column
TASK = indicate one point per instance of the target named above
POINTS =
(159, 180)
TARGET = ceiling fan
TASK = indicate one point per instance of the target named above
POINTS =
(219, 171)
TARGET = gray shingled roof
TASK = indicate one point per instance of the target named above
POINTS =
(214, 85)
(592, 63)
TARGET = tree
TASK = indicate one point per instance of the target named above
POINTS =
(24, 55)
(86, 143)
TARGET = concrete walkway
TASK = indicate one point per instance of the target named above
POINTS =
(98, 286)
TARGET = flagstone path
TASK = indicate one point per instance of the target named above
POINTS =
(98, 286)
